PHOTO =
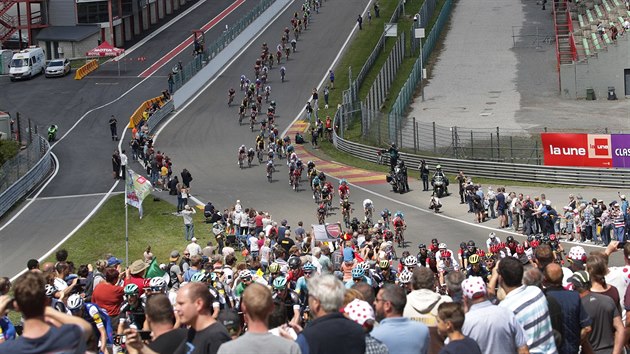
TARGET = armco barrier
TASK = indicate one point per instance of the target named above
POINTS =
(86, 69)
(28, 181)
(159, 115)
(136, 117)
(596, 177)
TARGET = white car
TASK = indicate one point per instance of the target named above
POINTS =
(57, 67)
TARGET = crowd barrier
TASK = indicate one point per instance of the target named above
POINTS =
(83, 71)
(136, 117)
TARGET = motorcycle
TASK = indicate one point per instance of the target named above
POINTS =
(397, 180)
(52, 133)
(439, 186)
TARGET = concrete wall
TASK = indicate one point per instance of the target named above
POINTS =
(75, 49)
(62, 13)
(599, 72)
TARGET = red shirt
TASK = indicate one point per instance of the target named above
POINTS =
(108, 297)
(138, 281)
(258, 219)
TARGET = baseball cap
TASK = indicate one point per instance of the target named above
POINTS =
(174, 256)
(359, 311)
(474, 287)
(231, 320)
(194, 239)
(348, 254)
(112, 261)
(580, 278)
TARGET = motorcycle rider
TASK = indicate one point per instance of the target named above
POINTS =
(393, 155)
(52, 132)
(440, 173)
(424, 175)
(402, 172)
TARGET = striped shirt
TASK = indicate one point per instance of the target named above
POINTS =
(529, 305)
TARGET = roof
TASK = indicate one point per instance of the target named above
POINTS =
(67, 33)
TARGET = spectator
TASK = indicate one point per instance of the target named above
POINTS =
(135, 274)
(62, 270)
(608, 331)
(330, 331)
(576, 324)
(597, 267)
(160, 318)
(528, 304)
(108, 295)
(422, 304)
(193, 247)
(7, 330)
(195, 267)
(194, 308)
(33, 265)
(189, 226)
(45, 330)
(494, 328)
(450, 322)
(257, 306)
(400, 334)
(186, 178)
(362, 313)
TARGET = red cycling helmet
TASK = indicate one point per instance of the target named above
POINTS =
(520, 249)
(535, 243)
(501, 245)
(481, 253)
(445, 254)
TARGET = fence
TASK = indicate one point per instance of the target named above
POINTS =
(351, 95)
(382, 83)
(159, 115)
(183, 73)
(406, 93)
(23, 172)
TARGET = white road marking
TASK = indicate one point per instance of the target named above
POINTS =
(75, 196)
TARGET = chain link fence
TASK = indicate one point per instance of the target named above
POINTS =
(182, 73)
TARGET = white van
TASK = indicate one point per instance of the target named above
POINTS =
(27, 63)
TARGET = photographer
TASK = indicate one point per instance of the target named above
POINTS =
(45, 330)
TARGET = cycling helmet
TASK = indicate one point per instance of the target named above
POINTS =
(50, 290)
(364, 265)
(481, 253)
(399, 214)
(245, 274)
(280, 283)
(213, 277)
(434, 241)
(520, 249)
(308, 267)
(473, 259)
(75, 302)
(198, 277)
(509, 239)
(393, 145)
(295, 262)
(131, 289)
(501, 245)
(146, 283)
(383, 264)
(552, 237)
(492, 235)
(489, 256)
(422, 245)
(405, 277)
(442, 246)
(357, 272)
(445, 254)
(343, 181)
(535, 243)
(471, 243)
(410, 261)
(355, 220)
(157, 284)
(385, 212)
(438, 167)
(530, 238)
(462, 245)
(546, 239)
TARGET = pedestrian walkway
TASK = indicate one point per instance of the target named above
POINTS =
(351, 174)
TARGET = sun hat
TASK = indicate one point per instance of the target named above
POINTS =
(359, 311)
(137, 266)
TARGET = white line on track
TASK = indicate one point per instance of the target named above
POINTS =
(75, 196)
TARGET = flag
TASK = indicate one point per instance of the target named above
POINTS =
(328, 232)
(136, 189)
(154, 270)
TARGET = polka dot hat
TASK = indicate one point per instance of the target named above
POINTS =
(577, 253)
(474, 287)
(359, 311)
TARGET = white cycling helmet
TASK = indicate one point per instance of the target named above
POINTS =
(75, 302)
(50, 290)
(364, 265)
(442, 246)
(410, 261)
(405, 277)
(157, 284)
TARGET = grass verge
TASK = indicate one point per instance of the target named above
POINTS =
(105, 232)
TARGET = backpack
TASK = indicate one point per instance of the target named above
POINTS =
(337, 259)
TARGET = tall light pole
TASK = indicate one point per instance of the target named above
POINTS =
(419, 34)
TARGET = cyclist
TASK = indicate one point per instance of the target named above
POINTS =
(269, 170)
(283, 72)
(289, 298)
(385, 273)
(242, 153)
(423, 254)
(321, 213)
(99, 319)
(404, 280)
(241, 113)
(316, 186)
(250, 156)
(300, 286)
(399, 225)
(344, 190)
(358, 275)
(386, 215)
(410, 262)
(243, 78)
(293, 44)
(327, 192)
(267, 93)
(132, 310)
(476, 268)
(231, 93)
(445, 265)
(346, 209)
(493, 239)
(368, 209)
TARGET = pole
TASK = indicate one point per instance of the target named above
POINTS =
(434, 140)
(126, 224)
(415, 136)
(421, 71)
(498, 145)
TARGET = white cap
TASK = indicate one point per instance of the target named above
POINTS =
(623, 196)
(194, 239)
(547, 202)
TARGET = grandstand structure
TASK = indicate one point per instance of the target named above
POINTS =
(590, 62)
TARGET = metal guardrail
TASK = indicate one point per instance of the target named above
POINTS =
(613, 178)
(17, 190)
(159, 115)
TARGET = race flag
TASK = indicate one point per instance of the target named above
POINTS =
(328, 232)
(136, 189)
(154, 270)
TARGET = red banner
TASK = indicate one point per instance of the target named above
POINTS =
(588, 150)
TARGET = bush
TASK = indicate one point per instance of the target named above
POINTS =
(8, 149)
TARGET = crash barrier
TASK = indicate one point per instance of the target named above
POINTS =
(86, 69)
(160, 114)
(596, 177)
(137, 116)
(24, 172)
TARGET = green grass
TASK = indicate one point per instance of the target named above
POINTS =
(105, 232)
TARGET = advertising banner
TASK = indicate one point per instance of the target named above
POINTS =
(620, 150)
(588, 150)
